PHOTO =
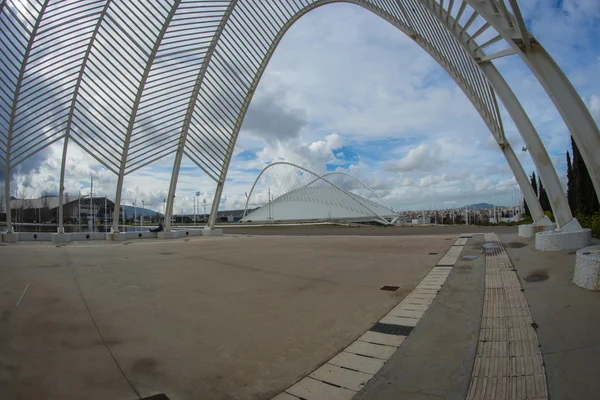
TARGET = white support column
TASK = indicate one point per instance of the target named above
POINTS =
(543, 164)
(186, 125)
(61, 189)
(173, 187)
(9, 227)
(117, 207)
(215, 205)
(517, 169)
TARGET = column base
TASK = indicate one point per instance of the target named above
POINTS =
(116, 236)
(530, 230)
(587, 268)
(569, 237)
(10, 237)
(212, 232)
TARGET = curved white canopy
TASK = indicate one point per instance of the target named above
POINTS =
(132, 81)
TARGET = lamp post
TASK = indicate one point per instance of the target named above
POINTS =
(134, 211)
(142, 219)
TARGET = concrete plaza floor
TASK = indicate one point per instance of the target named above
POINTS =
(244, 316)
(203, 318)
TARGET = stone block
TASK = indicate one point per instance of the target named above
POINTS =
(587, 268)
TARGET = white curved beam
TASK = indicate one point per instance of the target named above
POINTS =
(539, 155)
(465, 76)
(188, 120)
(67, 135)
(569, 104)
(13, 113)
(134, 111)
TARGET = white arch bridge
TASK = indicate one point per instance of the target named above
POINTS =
(287, 192)
(133, 81)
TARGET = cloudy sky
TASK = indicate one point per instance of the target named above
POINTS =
(347, 91)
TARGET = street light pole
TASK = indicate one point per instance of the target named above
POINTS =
(134, 211)
(143, 209)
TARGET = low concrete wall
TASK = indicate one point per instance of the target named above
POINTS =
(87, 236)
(36, 236)
(188, 232)
(83, 236)
(212, 232)
(168, 235)
(141, 235)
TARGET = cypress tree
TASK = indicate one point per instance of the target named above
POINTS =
(534, 186)
(586, 200)
(544, 201)
(571, 190)
(534, 183)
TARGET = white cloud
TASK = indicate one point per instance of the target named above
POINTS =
(424, 157)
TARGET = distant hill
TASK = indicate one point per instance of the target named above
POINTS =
(480, 205)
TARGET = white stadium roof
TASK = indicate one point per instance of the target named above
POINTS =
(287, 192)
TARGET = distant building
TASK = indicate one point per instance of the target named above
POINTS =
(75, 209)
(422, 220)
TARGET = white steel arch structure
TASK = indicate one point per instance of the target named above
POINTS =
(132, 81)
(284, 183)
